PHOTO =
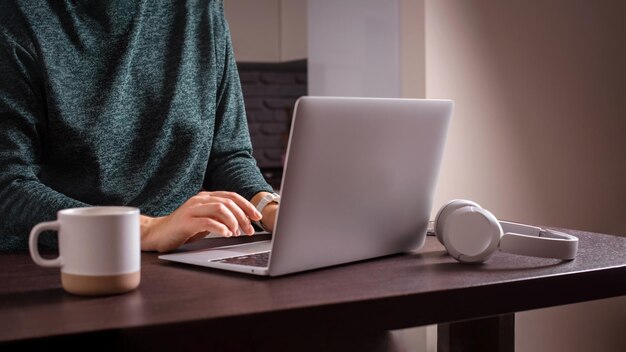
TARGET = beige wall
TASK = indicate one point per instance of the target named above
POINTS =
(255, 29)
(293, 30)
(268, 30)
(590, 326)
(539, 132)
(412, 49)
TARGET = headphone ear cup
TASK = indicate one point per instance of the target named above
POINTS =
(471, 234)
(446, 210)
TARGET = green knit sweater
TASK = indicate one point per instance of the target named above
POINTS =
(116, 102)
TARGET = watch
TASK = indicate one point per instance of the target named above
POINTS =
(267, 199)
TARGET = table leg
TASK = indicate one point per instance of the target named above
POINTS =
(485, 334)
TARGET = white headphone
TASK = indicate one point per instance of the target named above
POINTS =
(471, 234)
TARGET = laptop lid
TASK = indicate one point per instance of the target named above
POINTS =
(358, 183)
(359, 180)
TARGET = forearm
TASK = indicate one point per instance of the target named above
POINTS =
(236, 172)
(24, 199)
(231, 166)
(23, 204)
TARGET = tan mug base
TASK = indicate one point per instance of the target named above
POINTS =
(88, 285)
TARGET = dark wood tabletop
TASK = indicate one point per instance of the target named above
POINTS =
(419, 288)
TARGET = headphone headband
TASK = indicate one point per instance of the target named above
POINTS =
(536, 242)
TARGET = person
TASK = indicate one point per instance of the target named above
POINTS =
(134, 103)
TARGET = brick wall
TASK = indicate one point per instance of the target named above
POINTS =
(270, 91)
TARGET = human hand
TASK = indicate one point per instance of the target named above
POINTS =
(223, 213)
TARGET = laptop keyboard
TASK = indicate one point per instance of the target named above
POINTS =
(257, 259)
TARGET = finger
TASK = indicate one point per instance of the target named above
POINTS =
(242, 218)
(240, 205)
(228, 198)
(202, 225)
(243, 203)
(218, 212)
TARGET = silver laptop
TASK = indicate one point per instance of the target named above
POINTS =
(358, 183)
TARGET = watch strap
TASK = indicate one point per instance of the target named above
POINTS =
(267, 199)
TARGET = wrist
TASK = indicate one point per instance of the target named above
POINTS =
(266, 203)
(147, 226)
(257, 198)
(268, 214)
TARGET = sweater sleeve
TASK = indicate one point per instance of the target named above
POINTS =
(231, 165)
(24, 199)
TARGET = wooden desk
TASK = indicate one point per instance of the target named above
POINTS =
(185, 307)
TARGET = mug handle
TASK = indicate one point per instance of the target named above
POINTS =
(34, 249)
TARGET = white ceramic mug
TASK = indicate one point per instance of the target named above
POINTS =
(99, 249)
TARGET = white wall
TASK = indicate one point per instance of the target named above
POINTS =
(370, 48)
(354, 48)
